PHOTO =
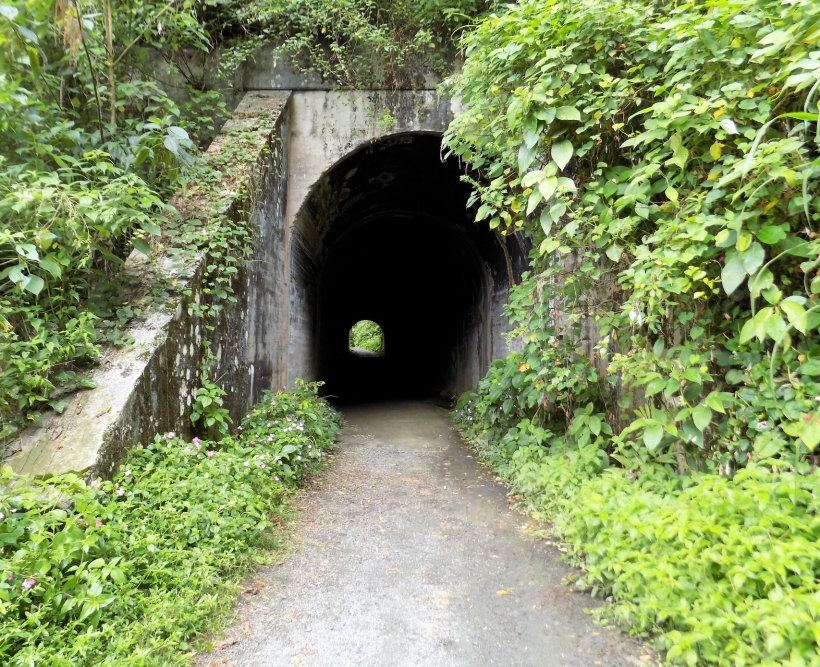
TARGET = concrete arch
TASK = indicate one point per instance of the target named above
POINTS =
(385, 234)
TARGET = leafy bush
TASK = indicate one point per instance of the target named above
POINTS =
(131, 571)
(724, 570)
(664, 158)
(662, 410)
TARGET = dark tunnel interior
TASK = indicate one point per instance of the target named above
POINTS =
(397, 244)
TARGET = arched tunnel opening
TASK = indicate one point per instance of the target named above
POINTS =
(386, 235)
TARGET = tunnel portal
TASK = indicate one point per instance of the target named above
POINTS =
(386, 235)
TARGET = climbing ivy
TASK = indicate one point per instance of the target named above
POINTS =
(664, 158)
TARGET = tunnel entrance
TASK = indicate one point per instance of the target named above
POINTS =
(386, 235)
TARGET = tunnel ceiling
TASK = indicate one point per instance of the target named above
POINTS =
(386, 235)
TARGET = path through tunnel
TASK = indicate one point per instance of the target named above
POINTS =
(386, 235)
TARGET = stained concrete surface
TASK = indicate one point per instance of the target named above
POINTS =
(409, 555)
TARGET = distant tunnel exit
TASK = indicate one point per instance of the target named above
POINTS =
(386, 236)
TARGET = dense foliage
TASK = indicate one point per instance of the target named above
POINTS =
(724, 570)
(92, 148)
(664, 156)
(360, 43)
(129, 572)
(367, 335)
(662, 409)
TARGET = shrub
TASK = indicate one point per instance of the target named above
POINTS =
(130, 571)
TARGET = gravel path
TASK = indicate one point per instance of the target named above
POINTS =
(408, 555)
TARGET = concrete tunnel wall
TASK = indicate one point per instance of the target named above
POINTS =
(374, 225)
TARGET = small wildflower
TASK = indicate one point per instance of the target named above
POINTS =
(98, 523)
(276, 477)
(95, 483)
(28, 583)
(240, 428)
(10, 577)
(186, 450)
(120, 492)
(2, 516)
(171, 434)
(247, 463)
(210, 453)
(127, 472)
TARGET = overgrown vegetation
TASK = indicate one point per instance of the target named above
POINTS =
(92, 148)
(664, 157)
(355, 43)
(95, 147)
(367, 335)
(132, 571)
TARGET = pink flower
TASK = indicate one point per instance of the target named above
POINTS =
(240, 428)
(120, 492)
(28, 583)
(10, 577)
(170, 434)
(98, 523)
(186, 450)
(95, 483)
(276, 478)
(210, 453)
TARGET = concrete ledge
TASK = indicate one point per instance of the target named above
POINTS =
(146, 388)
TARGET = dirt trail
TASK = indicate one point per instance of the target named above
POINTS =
(409, 556)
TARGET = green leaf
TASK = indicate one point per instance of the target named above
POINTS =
(526, 154)
(811, 434)
(752, 257)
(595, 424)
(151, 228)
(655, 386)
(771, 234)
(567, 113)
(701, 416)
(652, 435)
(796, 315)
(614, 252)
(734, 273)
(557, 210)
(9, 12)
(760, 281)
(52, 267)
(142, 246)
(34, 284)
(532, 178)
(547, 187)
(714, 401)
(546, 221)
(561, 153)
(533, 200)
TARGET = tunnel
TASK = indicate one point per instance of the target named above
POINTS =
(387, 235)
